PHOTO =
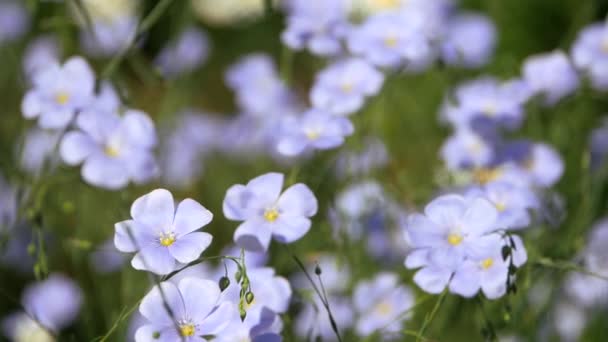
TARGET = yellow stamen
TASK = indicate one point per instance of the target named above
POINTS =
(111, 151)
(384, 308)
(271, 215)
(484, 176)
(454, 239)
(346, 87)
(487, 263)
(167, 239)
(313, 134)
(500, 206)
(390, 41)
(62, 98)
(186, 330)
(386, 4)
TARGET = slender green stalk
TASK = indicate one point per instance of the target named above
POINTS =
(568, 266)
(429, 318)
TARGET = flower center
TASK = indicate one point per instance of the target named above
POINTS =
(387, 4)
(384, 308)
(186, 330)
(500, 206)
(390, 41)
(484, 176)
(454, 239)
(62, 97)
(346, 87)
(313, 134)
(111, 151)
(487, 263)
(271, 215)
(166, 239)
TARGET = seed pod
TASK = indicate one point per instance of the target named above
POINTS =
(249, 297)
(224, 283)
(317, 270)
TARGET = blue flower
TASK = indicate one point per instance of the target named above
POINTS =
(59, 92)
(112, 149)
(589, 54)
(267, 212)
(380, 303)
(551, 75)
(185, 54)
(392, 39)
(162, 235)
(342, 87)
(469, 40)
(196, 308)
(314, 129)
(317, 26)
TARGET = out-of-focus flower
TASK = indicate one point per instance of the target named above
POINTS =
(551, 75)
(259, 90)
(316, 25)
(342, 87)
(513, 202)
(195, 307)
(569, 321)
(469, 41)
(374, 155)
(598, 145)
(271, 293)
(466, 149)
(108, 38)
(185, 54)
(228, 12)
(487, 102)
(267, 212)
(19, 327)
(539, 161)
(313, 323)
(335, 274)
(14, 21)
(183, 153)
(586, 290)
(393, 40)
(590, 54)
(162, 235)
(59, 92)
(380, 304)
(242, 330)
(38, 147)
(54, 302)
(314, 129)
(109, 10)
(112, 149)
(114, 25)
(107, 258)
(41, 52)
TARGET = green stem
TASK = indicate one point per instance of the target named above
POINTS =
(429, 318)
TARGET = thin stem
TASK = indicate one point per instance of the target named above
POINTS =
(143, 27)
(123, 315)
(319, 293)
(568, 266)
(429, 318)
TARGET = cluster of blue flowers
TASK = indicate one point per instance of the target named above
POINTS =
(463, 242)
